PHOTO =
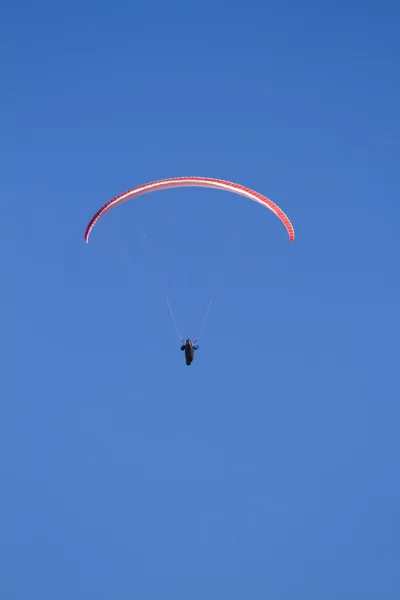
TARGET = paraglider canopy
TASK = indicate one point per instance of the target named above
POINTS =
(207, 182)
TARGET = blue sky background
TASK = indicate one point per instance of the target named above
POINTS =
(270, 467)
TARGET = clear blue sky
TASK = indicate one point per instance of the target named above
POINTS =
(270, 467)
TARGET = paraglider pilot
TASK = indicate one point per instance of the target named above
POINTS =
(189, 349)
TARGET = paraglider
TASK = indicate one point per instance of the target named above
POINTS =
(178, 182)
(189, 349)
